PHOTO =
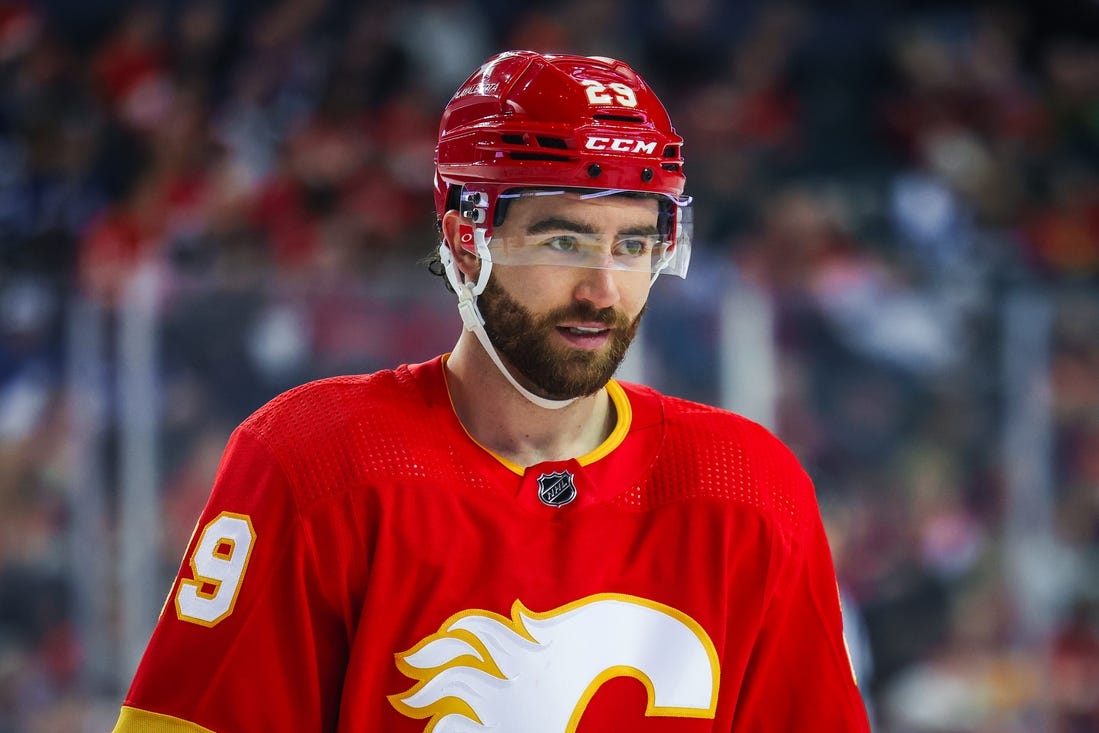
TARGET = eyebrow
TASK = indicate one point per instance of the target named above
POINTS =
(559, 223)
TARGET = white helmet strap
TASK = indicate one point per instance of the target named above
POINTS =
(472, 320)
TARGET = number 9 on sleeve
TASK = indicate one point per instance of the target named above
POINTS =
(218, 563)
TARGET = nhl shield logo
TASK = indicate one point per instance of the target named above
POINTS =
(556, 489)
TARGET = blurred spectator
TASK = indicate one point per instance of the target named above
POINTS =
(131, 70)
(1074, 683)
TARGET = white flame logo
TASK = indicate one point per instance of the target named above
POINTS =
(536, 672)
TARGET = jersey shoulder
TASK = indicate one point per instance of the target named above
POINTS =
(336, 432)
(708, 452)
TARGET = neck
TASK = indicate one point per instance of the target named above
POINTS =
(508, 424)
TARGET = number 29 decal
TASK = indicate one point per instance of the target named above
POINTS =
(600, 93)
(218, 563)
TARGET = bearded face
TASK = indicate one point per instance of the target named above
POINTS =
(528, 341)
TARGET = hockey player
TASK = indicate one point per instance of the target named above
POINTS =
(506, 538)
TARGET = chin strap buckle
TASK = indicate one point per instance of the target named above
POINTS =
(467, 308)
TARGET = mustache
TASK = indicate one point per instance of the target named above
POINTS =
(587, 312)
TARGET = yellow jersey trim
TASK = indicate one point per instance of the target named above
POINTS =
(135, 720)
(623, 418)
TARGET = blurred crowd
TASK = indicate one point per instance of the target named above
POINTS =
(892, 174)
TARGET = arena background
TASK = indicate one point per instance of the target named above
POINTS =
(896, 268)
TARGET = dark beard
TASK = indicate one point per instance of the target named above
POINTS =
(557, 372)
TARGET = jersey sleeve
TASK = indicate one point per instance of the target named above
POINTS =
(799, 675)
(249, 638)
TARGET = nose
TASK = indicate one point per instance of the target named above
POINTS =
(598, 286)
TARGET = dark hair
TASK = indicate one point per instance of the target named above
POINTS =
(435, 266)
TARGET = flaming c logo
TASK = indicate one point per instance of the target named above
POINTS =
(536, 672)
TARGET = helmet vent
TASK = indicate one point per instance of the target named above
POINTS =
(543, 141)
(552, 142)
(550, 157)
(671, 151)
(619, 118)
(670, 166)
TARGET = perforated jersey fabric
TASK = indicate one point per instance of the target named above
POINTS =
(383, 572)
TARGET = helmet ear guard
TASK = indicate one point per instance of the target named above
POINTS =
(470, 239)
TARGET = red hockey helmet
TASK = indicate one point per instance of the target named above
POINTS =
(526, 120)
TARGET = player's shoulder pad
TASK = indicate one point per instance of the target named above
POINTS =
(316, 408)
(324, 433)
(708, 451)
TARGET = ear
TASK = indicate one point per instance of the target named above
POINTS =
(456, 229)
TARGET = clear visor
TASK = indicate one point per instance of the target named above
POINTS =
(662, 248)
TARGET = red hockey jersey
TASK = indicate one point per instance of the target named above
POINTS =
(364, 565)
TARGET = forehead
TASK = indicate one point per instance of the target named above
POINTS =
(607, 213)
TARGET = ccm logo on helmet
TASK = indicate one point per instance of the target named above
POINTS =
(620, 145)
